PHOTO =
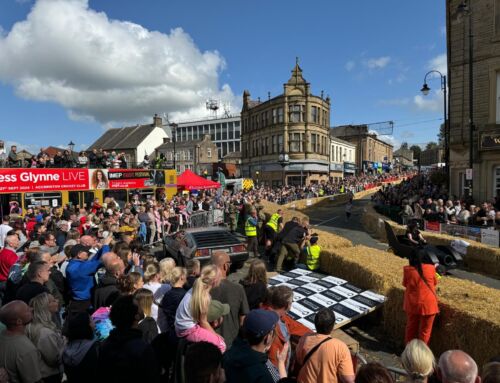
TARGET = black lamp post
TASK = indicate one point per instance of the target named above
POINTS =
(284, 160)
(71, 146)
(174, 135)
(425, 90)
(257, 177)
(465, 9)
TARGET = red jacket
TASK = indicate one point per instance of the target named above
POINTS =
(294, 329)
(7, 259)
(420, 298)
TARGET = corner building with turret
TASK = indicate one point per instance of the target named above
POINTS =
(286, 138)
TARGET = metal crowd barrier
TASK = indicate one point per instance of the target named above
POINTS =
(214, 217)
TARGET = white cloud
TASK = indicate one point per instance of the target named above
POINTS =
(438, 63)
(349, 66)
(110, 71)
(378, 63)
(431, 103)
(388, 139)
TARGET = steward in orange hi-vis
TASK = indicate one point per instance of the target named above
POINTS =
(420, 301)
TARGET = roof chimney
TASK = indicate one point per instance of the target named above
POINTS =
(157, 121)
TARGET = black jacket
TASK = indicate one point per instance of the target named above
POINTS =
(106, 291)
(124, 357)
(242, 364)
(149, 329)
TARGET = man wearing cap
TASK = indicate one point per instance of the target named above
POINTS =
(247, 360)
(80, 275)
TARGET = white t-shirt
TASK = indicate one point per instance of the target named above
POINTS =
(4, 229)
(183, 319)
(158, 289)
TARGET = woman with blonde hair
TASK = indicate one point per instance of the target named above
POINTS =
(148, 326)
(191, 315)
(166, 267)
(152, 283)
(171, 300)
(418, 361)
(46, 337)
(255, 284)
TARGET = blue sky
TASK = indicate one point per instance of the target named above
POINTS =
(71, 68)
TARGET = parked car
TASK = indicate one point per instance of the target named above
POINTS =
(200, 243)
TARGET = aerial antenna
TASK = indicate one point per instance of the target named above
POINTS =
(213, 106)
(227, 109)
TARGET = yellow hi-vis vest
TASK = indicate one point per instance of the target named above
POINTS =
(312, 261)
(273, 222)
(321, 192)
(250, 229)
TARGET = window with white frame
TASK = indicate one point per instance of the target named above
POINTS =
(209, 152)
(280, 115)
(295, 113)
(496, 182)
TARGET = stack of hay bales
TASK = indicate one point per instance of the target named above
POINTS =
(331, 241)
(469, 317)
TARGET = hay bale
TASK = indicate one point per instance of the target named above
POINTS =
(331, 241)
(271, 208)
(469, 317)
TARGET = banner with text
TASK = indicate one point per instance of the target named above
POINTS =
(34, 180)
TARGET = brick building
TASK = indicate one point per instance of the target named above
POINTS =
(485, 17)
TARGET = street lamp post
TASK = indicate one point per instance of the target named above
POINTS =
(465, 9)
(257, 177)
(283, 160)
(174, 134)
(425, 90)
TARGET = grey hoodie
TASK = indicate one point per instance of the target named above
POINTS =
(75, 351)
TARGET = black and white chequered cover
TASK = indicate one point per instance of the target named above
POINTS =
(312, 291)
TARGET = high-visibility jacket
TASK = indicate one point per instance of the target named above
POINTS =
(273, 222)
(312, 261)
(250, 228)
(321, 192)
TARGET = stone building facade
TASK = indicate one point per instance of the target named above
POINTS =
(372, 153)
(342, 158)
(293, 125)
(432, 157)
(199, 156)
(485, 16)
(224, 132)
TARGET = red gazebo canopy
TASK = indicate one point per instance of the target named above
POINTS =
(190, 181)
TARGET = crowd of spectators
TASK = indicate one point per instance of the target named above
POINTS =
(349, 184)
(420, 199)
(129, 316)
(68, 159)
(83, 299)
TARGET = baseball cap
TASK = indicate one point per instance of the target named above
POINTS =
(77, 249)
(217, 310)
(260, 322)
